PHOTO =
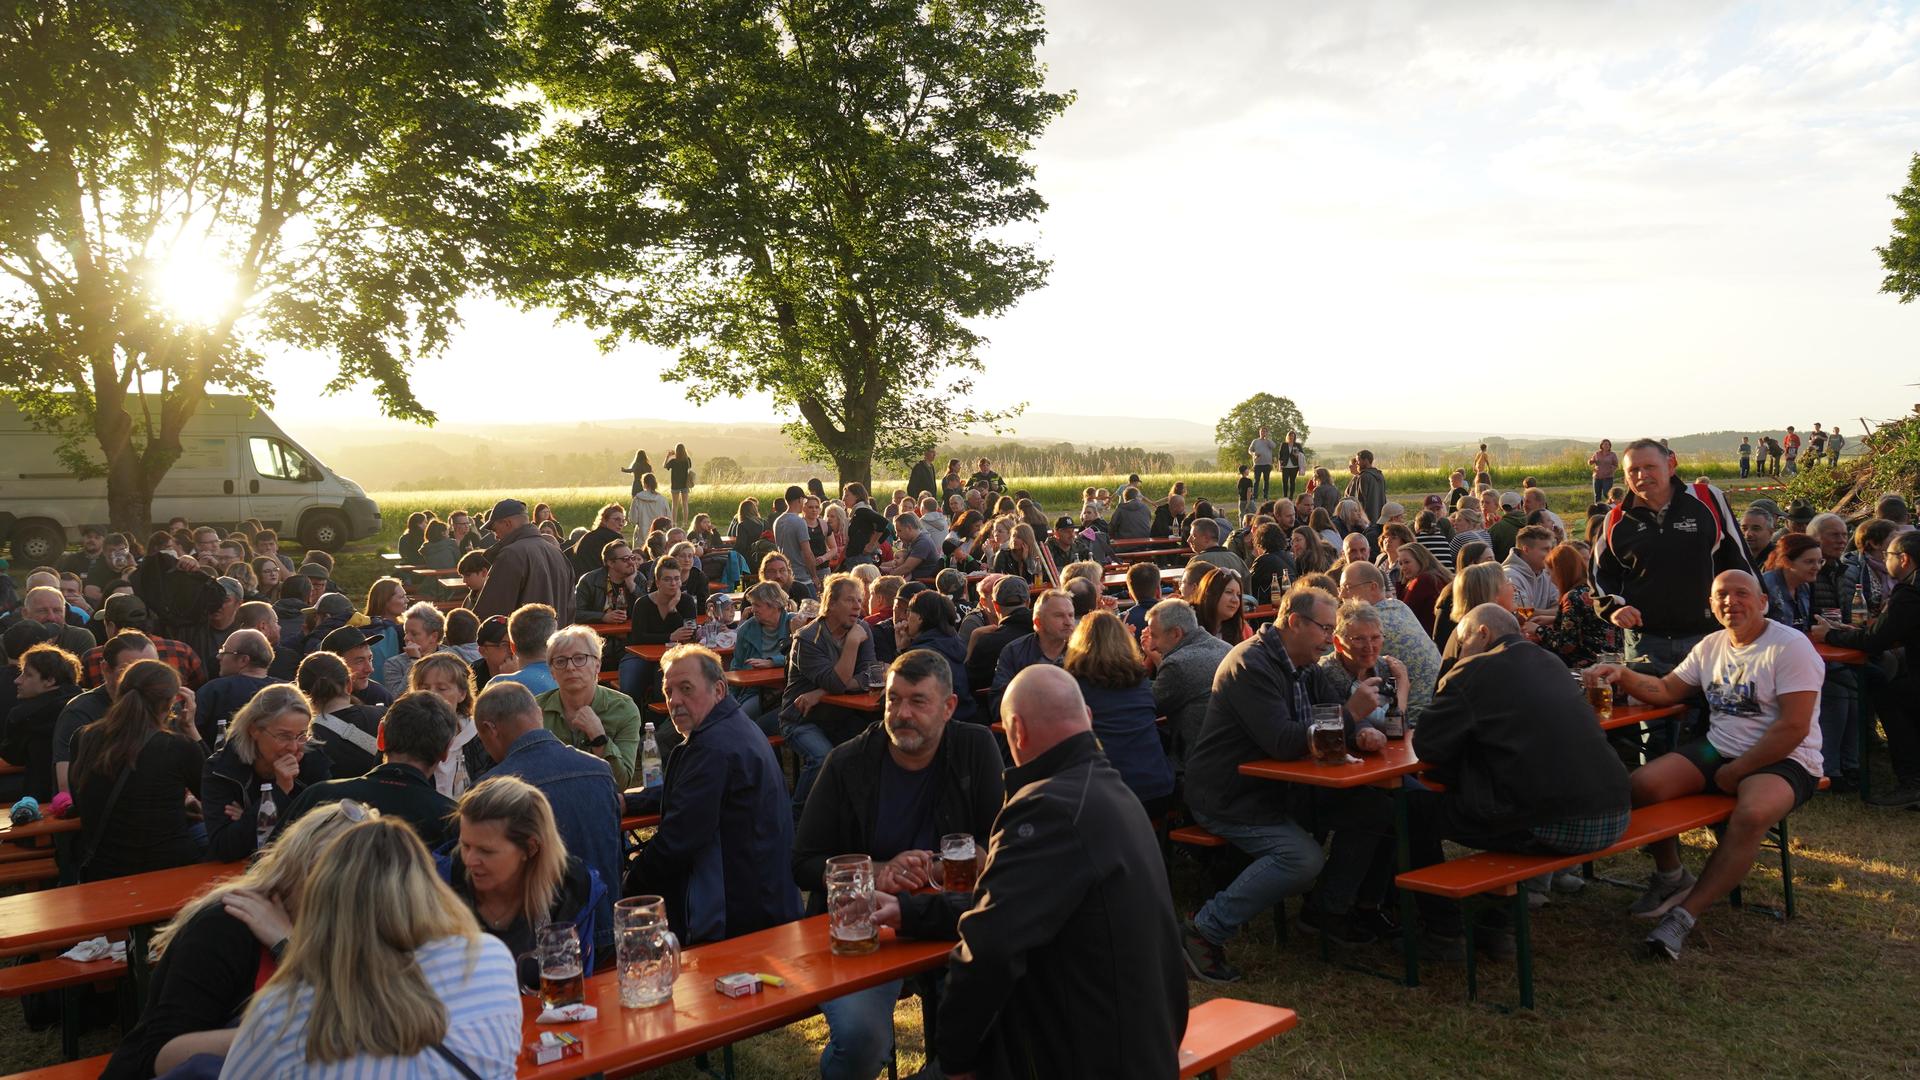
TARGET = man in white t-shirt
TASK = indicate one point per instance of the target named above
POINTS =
(1762, 684)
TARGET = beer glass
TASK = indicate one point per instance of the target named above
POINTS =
(562, 977)
(1617, 693)
(849, 881)
(876, 675)
(959, 862)
(1599, 694)
(649, 953)
(1329, 736)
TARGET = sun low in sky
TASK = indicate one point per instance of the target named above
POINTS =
(1495, 216)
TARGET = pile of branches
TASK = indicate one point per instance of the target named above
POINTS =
(1890, 465)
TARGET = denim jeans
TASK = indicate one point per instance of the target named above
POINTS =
(1262, 480)
(1839, 712)
(637, 676)
(1286, 860)
(811, 745)
(1601, 484)
(1359, 862)
(860, 1032)
(1744, 468)
(1289, 482)
(1657, 654)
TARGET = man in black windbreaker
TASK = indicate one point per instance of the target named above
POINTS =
(1069, 962)
(1656, 561)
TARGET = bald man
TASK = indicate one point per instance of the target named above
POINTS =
(244, 659)
(1069, 961)
(1762, 683)
(1525, 766)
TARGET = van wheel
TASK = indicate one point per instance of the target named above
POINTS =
(34, 544)
(324, 530)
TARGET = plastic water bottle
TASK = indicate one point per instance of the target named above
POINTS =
(267, 817)
(651, 771)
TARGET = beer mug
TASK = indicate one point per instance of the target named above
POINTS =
(649, 953)
(1329, 736)
(959, 863)
(876, 675)
(850, 927)
(562, 976)
(1617, 692)
(1599, 694)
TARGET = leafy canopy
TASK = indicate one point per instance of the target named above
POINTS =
(185, 181)
(1242, 425)
(1901, 256)
(808, 199)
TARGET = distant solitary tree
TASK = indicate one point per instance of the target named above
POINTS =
(182, 184)
(721, 470)
(1901, 256)
(1241, 426)
(816, 201)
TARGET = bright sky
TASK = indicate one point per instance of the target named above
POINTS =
(1483, 214)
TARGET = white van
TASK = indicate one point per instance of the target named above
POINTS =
(235, 463)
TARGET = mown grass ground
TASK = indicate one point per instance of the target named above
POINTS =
(1831, 993)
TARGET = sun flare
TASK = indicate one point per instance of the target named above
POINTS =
(194, 286)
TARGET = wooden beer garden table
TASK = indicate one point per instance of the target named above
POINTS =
(653, 653)
(610, 629)
(34, 830)
(1167, 577)
(869, 701)
(699, 1018)
(769, 678)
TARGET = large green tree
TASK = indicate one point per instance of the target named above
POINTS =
(186, 182)
(1901, 256)
(1239, 427)
(812, 199)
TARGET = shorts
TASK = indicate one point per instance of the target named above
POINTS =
(1701, 755)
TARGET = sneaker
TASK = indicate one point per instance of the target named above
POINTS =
(1376, 922)
(1660, 895)
(1903, 795)
(1206, 960)
(1667, 939)
(1341, 928)
(1568, 881)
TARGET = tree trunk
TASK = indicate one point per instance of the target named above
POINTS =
(855, 470)
(129, 497)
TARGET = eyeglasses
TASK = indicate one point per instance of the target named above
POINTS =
(353, 811)
(285, 738)
(571, 661)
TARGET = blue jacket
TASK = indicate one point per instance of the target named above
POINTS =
(586, 807)
(1794, 607)
(949, 646)
(1019, 655)
(1123, 721)
(723, 854)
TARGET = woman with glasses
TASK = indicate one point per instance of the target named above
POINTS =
(598, 719)
(132, 772)
(213, 953)
(268, 746)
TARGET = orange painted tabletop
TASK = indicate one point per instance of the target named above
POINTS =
(78, 911)
(699, 1018)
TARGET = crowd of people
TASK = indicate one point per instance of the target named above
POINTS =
(423, 787)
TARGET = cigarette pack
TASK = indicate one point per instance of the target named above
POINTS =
(554, 1045)
(739, 984)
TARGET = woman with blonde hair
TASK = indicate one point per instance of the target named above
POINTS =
(1479, 583)
(268, 747)
(512, 870)
(1021, 557)
(132, 772)
(445, 676)
(1112, 673)
(213, 951)
(386, 974)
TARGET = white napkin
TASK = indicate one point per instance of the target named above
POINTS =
(567, 1014)
(97, 949)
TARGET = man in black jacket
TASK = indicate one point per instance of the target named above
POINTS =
(920, 481)
(1526, 767)
(1010, 601)
(1896, 701)
(1655, 563)
(1069, 958)
(892, 792)
(418, 729)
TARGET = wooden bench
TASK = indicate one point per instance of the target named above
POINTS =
(1500, 873)
(57, 974)
(1224, 1028)
(83, 1069)
(29, 872)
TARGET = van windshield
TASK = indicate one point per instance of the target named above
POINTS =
(275, 460)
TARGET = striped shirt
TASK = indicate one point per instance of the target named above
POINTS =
(1440, 546)
(483, 1010)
